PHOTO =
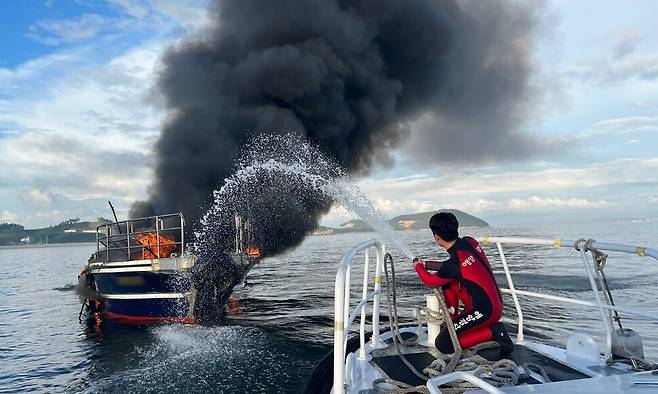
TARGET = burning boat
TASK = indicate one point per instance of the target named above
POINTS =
(141, 272)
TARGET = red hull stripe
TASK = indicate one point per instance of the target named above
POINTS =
(127, 319)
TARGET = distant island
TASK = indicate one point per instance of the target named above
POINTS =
(68, 231)
(414, 221)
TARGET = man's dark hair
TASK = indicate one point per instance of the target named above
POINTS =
(445, 225)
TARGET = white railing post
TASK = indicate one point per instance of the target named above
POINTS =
(339, 331)
(346, 300)
(364, 296)
(376, 341)
(510, 283)
(342, 316)
(597, 297)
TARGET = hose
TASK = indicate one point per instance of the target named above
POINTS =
(393, 323)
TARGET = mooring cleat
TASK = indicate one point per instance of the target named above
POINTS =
(501, 336)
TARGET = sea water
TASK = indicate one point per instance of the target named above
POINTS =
(280, 325)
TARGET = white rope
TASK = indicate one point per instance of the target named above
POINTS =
(426, 314)
(499, 373)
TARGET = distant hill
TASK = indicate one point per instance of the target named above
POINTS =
(414, 221)
(68, 231)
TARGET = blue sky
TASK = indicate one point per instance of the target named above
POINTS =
(78, 112)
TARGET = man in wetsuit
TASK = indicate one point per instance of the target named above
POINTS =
(465, 277)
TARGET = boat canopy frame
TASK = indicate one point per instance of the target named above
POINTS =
(121, 236)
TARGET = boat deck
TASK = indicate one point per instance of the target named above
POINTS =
(419, 356)
(385, 362)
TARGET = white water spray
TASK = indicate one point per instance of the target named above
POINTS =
(309, 166)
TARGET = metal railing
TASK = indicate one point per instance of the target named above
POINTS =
(128, 239)
(342, 316)
(583, 247)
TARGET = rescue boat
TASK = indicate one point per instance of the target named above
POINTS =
(388, 357)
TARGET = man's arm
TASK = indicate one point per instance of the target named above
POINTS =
(450, 268)
(430, 280)
(446, 269)
(433, 265)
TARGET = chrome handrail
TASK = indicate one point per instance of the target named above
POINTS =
(342, 316)
(434, 383)
(582, 246)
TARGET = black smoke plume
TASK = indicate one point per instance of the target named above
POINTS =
(350, 77)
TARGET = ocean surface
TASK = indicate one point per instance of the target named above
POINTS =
(280, 324)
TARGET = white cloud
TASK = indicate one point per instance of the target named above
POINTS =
(190, 14)
(529, 191)
(610, 127)
(135, 8)
(337, 216)
(81, 122)
(36, 196)
(476, 206)
(526, 204)
(628, 124)
(542, 190)
(154, 16)
(85, 135)
(642, 67)
(626, 43)
(8, 217)
(640, 103)
(83, 27)
(538, 203)
(12, 80)
(392, 207)
(475, 184)
(387, 207)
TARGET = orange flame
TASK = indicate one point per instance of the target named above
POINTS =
(253, 251)
(234, 307)
(150, 243)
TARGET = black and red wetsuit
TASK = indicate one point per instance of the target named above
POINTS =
(467, 277)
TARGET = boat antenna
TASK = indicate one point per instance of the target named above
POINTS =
(115, 216)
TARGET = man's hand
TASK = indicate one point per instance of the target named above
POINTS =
(418, 260)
